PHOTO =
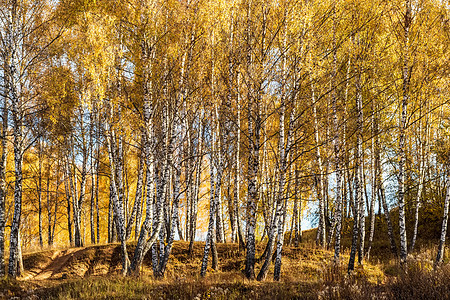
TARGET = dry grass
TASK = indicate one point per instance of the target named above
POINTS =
(415, 281)
(307, 273)
(145, 288)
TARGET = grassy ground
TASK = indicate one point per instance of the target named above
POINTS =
(307, 273)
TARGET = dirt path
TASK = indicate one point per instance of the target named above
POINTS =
(58, 261)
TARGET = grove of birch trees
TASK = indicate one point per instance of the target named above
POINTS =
(226, 121)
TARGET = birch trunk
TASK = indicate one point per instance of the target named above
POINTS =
(143, 245)
(358, 212)
(440, 253)
(212, 210)
(231, 75)
(220, 236)
(18, 160)
(253, 166)
(68, 198)
(13, 78)
(76, 200)
(41, 241)
(356, 221)
(296, 232)
(373, 176)
(360, 164)
(387, 215)
(284, 150)
(402, 128)
(175, 203)
(110, 214)
(3, 184)
(92, 202)
(97, 172)
(141, 206)
(49, 210)
(198, 176)
(254, 125)
(237, 179)
(268, 252)
(137, 198)
(188, 171)
(117, 197)
(321, 230)
(336, 146)
(421, 183)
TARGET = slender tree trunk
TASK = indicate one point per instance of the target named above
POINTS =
(3, 185)
(56, 200)
(402, 128)
(254, 126)
(253, 166)
(14, 252)
(360, 164)
(144, 244)
(216, 173)
(298, 213)
(19, 266)
(220, 236)
(268, 252)
(336, 146)
(92, 205)
(141, 206)
(350, 179)
(214, 182)
(97, 173)
(294, 220)
(284, 150)
(68, 198)
(359, 211)
(17, 117)
(41, 240)
(373, 177)
(93, 181)
(117, 194)
(198, 176)
(237, 179)
(421, 183)
(110, 214)
(387, 215)
(49, 209)
(440, 253)
(280, 242)
(188, 175)
(168, 247)
(356, 217)
(321, 230)
(75, 200)
(137, 198)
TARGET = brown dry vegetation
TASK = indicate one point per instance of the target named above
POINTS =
(93, 273)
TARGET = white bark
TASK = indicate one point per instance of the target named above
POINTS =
(3, 184)
(422, 166)
(117, 198)
(318, 182)
(13, 78)
(440, 253)
(336, 146)
(402, 137)
(215, 182)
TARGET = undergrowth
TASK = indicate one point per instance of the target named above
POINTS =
(307, 273)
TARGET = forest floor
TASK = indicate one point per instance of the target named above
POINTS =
(93, 272)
